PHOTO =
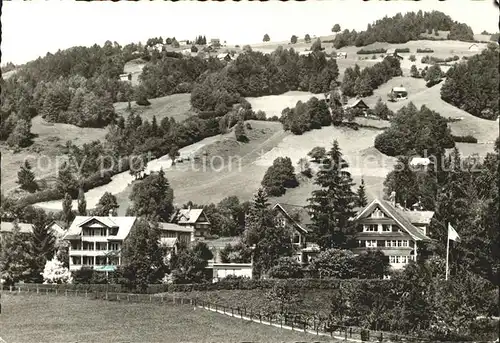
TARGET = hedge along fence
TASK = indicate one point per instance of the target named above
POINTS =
(465, 139)
(241, 284)
(402, 50)
(371, 52)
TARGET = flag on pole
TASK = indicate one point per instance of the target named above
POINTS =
(452, 234)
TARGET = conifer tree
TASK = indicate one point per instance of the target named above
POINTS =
(142, 255)
(16, 261)
(42, 243)
(270, 241)
(332, 205)
(361, 200)
(67, 209)
(66, 182)
(82, 203)
(26, 178)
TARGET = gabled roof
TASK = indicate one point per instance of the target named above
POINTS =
(390, 51)
(9, 227)
(398, 215)
(174, 227)
(189, 216)
(358, 102)
(303, 215)
(124, 225)
(399, 89)
(420, 161)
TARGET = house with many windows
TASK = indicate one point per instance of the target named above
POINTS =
(97, 241)
(396, 231)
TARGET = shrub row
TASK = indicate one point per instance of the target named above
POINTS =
(433, 60)
(424, 50)
(371, 52)
(403, 50)
(465, 139)
(229, 284)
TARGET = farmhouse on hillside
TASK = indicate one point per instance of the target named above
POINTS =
(474, 48)
(396, 231)
(341, 54)
(393, 53)
(399, 93)
(358, 104)
(126, 77)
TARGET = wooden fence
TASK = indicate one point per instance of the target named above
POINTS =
(312, 324)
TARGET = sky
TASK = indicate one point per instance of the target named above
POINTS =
(33, 28)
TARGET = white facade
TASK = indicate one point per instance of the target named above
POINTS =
(222, 270)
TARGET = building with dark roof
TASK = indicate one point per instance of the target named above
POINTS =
(396, 231)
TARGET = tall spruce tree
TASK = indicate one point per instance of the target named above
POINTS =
(332, 205)
(16, 261)
(42, 243)
(142, 255)
(270, 241)
(67, 209)
(361, 200)
(26, 178)
(82, 203)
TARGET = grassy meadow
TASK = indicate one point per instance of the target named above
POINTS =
(38, 319)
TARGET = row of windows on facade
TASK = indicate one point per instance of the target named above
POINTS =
(94, 246)
(381, 228)
(94, 261)
(100, 232)
(391, 243)
(401, 259)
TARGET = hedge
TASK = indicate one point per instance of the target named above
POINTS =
(371, 52)
(465, 139)
(424, 50)
(230, 284)
(403, 50)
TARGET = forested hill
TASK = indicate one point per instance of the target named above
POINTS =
(473, 86)
(403, 28)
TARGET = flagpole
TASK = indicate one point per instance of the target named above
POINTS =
(447, 250)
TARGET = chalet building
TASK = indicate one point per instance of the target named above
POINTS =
(358, 104)
(397, 232)
(340, 54)
(97, 241)
(399, 93)
(194, 219)
(297, 219)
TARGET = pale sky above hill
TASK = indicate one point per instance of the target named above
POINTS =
(33, 28)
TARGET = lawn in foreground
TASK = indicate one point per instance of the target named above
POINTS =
(32, 318)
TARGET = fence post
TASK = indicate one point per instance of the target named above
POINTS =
(150, 298)
(346, 334)
(232, 312)
(281, 322)
(216, 310)
(106, 295)
(292, 322)
(381, 337)
(173, 300)
(305, 326)
(18, 289)
(350, 332)
(128, 297)
(117, 297)
(10, 289)
(37, 291)
(86, 293)
(260, 318)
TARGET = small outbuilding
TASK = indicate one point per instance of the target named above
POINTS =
(399, 93)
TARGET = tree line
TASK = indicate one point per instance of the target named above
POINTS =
(256, 74)
(403, 28)
(473, 85)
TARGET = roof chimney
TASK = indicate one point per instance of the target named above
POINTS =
(392, 198)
